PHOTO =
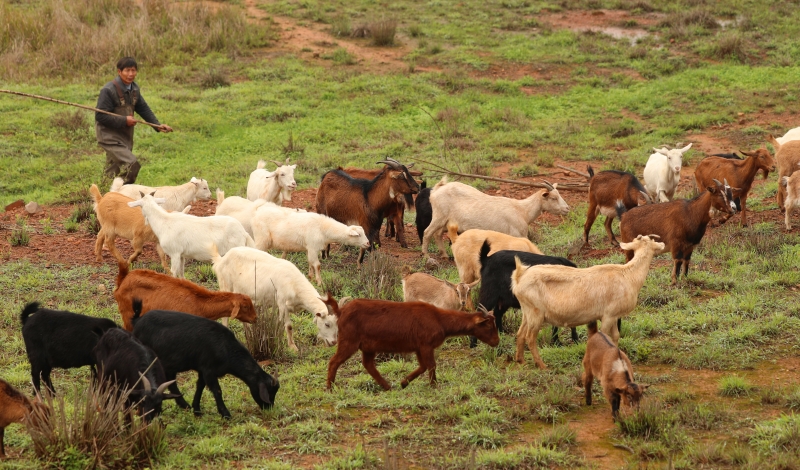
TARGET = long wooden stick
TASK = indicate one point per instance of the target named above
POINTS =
(583, 187)
(28, 95)
(585, 175)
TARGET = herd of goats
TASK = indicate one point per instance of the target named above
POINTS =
(489, 243)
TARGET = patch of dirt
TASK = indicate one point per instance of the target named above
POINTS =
(619, 24)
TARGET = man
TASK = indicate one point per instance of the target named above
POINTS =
(115, 133)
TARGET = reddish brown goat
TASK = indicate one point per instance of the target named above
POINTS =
(14, 408)
(394, 216)
(606, 190)
(738, 173)
(162, 292)
(381, 326)
(612, 366)
(355, 201)
(680, 224)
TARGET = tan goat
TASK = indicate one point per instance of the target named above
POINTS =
(612, 366)
(467, 247)
(787, 157)
(792, 201)
(438, 292)
(118, 220)
(14, 408)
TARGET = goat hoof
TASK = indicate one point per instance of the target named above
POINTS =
(403, 384)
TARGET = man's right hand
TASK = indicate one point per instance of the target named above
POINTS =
(130, 121)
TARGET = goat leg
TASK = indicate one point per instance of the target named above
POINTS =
(610, 233)
(198, 394)
(180, 401)
(213, 385)
(368, 359)
(343, 353)
(2, 443)
(574, 334)
(587, 379)
(424, 363)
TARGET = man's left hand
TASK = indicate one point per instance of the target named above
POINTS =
(164, 128)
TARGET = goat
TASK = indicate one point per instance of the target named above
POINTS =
(185, 236)
(607, 362)
(355, 201)
(15, 408)
(681, 224)
(662, 173)
(567, 296)
(243, 209)
(275, 227)
(422, 204)
(276, 186)
(176, 197)
(438, 292)
(117, 219)
(185, 342)
(738, 173)
(381, 326)
(59, 339)
(495, 294)
(467, 246)
(787, 156)
(792, 201)
(394, 216)
(606, 190)
(162, 292)
(274, 282)
(791, 134)
(472, 209)
(124, 361)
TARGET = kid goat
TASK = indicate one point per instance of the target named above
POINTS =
(381, 326)
(680, 224)
(162, 292)
(438, 292)
(612, 366)
(467, 246)
(176, 197)
(274, 187)
(568, 297)
(606, 190)
(14, 408)
(662, 173)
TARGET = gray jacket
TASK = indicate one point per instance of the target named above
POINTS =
(113, 130)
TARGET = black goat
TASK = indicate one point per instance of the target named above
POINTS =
(424, 210)
(185, 342)
(495, 294)
(729, 156)
(126, 362)
(59, 339)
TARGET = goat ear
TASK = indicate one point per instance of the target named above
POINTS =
(473, 284)
(396, 174)
(318, 315)
(546, 194)
(712, 189)
(153, 194)
(643, 387)
(141, 194)
(353, 233)
(263, 393)
(235, 311)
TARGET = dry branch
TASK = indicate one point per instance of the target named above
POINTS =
(585, 175)
(583, 187)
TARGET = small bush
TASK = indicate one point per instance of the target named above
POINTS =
(20, 235)
(379, 276)
(793, 400)
(264, 338)
(525, 170)
(340, 26)
(71, 122)
(340, 56)
(651, 421)
(214, 78)
(559, 437)
(771, 395)
(415, 31)
(697, 17)
(383, 32)
(734, 386)
(729, 46)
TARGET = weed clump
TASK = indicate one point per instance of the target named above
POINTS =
(214, 78)
(734, 386)
(264, 338)
(70, 122)
(379, 277)
(340, 26)
(383, 32)
(20, 235)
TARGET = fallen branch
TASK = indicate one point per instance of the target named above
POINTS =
(624, 447)
(583, 187)
(585, 175)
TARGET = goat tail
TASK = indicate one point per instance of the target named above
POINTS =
(95, 192)
(123, 272)
(27, 311)
(452, 231)
(423, 185)
(137, 310)
(485, 249)
(620, 208)
(519, 270)
(784, 181)
(261, 165)
(117, 184)
(592, 327)
(590, 171)
(441, 183)
(220, 196)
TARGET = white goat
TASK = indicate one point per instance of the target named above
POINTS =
(243, 209)
(663, 173)
(275, 282)
(274, 186)
(792, 134)
(567, 297)
(792, 201)
(472, 209)
(277, 228)
(435, 291)
(184, 236)
(467, 248)
(177, 197)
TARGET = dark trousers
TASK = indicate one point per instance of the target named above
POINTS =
(120, 161)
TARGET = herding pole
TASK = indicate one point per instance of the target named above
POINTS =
(154, 126)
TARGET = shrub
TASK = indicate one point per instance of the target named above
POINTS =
(415, 31)
(734, 386)
(651, 421)
(340, 56)
(340, 26)
(90, 430)
(70, 122)
(214, 78)
(20, 235)
(778, 436)
(379, 276)
(264, 338)
(383, 32)
(729, 46)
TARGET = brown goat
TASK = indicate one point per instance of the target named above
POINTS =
(15, 408)
(163, 292)
(118, 220)
(738, 173)
(380, 326)
(612, 366)
(606, 190)
(788, 158)
(394, 216)
(355, 201)
(680, 224)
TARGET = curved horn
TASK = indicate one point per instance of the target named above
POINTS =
(277, 163)
(163, 387)
(725, 180)
(639, 237)
(653, 236)
(716, 181)
(483, 310)
(549, 186)
(392, 163)
(287, 161)
(145, 382)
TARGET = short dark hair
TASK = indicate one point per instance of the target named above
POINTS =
(126, 62)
